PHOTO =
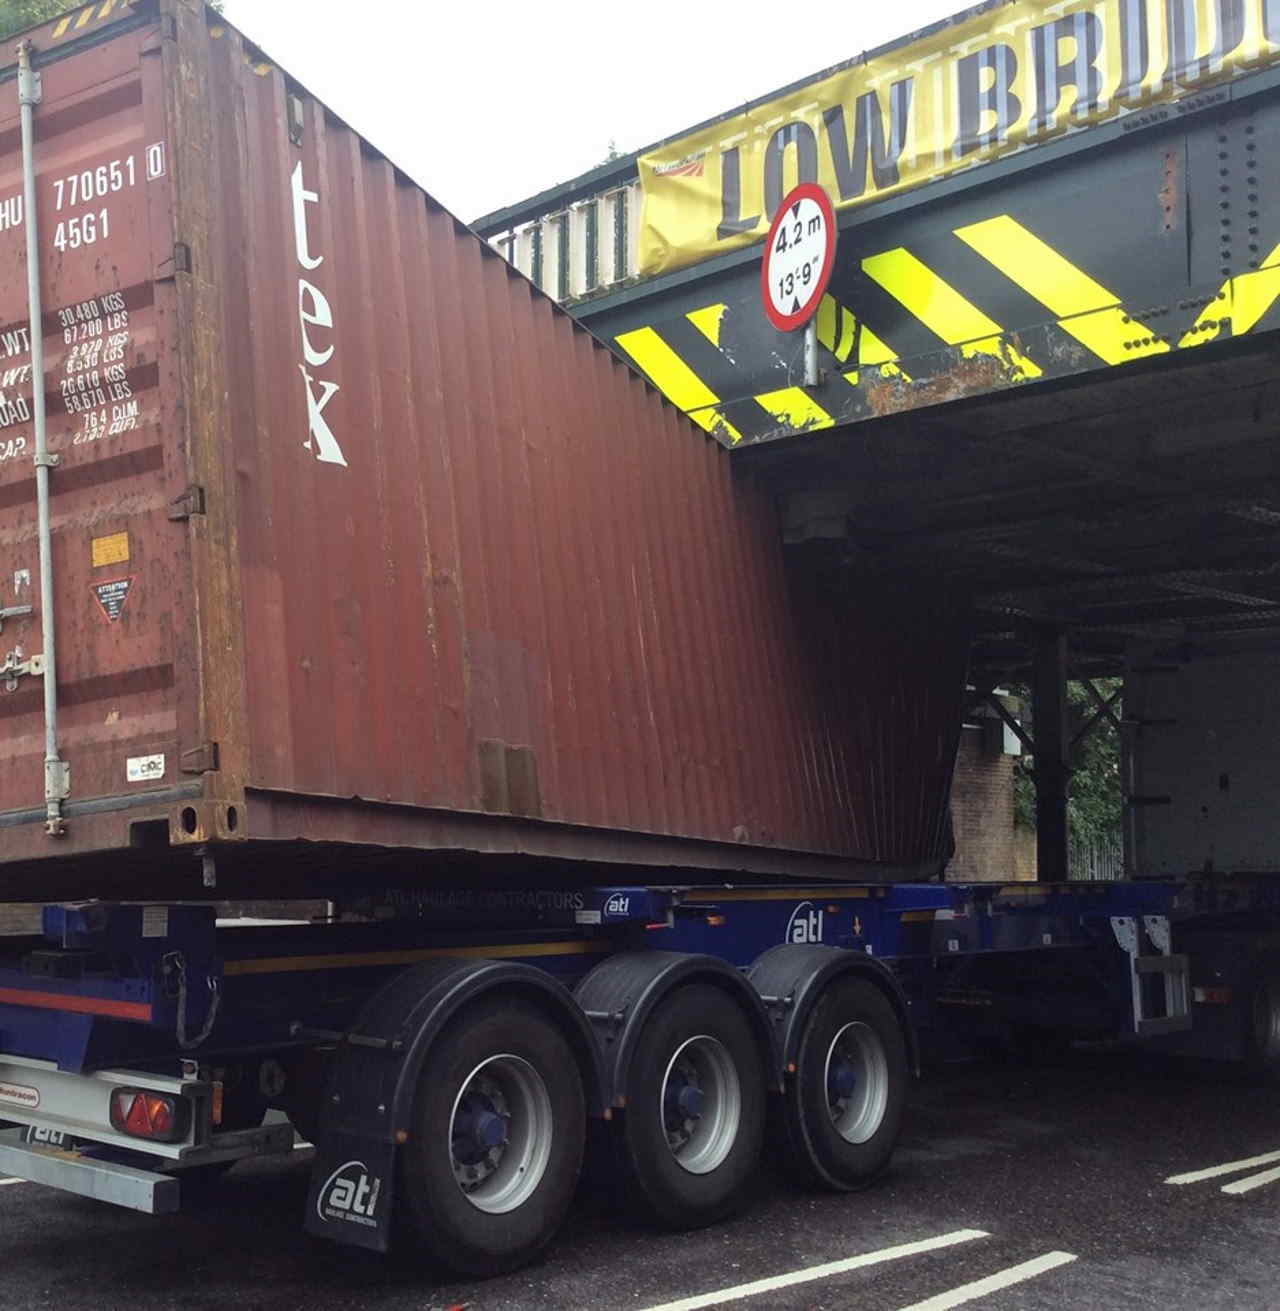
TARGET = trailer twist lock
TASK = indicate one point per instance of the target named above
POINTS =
(143, 1114)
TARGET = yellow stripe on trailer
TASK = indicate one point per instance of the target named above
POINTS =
(1084, 308)
(677, 381)
(944, 311)
(827, 892)
(371, 959)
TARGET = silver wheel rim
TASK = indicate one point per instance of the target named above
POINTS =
(855, 1082)
(500, 1134)
(700, 1107)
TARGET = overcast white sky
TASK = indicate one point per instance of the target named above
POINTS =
(484, 104)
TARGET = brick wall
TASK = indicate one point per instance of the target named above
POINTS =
(988, 845)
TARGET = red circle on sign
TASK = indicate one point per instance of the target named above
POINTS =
(793, 302)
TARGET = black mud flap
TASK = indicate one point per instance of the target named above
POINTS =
(352, 1191)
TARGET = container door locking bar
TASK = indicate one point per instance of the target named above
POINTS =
(57, 776)
(1129, 931)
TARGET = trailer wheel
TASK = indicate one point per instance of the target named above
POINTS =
(843, 1108)
(1264, 1026)
(499, 1123)
(694, 1123)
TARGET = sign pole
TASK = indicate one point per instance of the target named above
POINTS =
(811, 374)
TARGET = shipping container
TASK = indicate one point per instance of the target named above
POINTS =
(1202, 767)
(361, 548)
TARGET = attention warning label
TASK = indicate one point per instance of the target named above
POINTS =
(112, 596)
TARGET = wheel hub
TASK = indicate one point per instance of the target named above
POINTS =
(701, 1104)
(478, 1128)
(841, 1081)
(500, 1134)
(857, 1082)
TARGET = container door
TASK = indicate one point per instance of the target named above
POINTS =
(120, 555)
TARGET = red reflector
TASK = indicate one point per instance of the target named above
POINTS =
(145, 1114)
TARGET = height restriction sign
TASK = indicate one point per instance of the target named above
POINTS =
(799, 256)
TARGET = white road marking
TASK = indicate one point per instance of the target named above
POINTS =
(1252, 1182)
(821, 1271)
(1231, 1167)
(1016, 1274)
(4, 1183)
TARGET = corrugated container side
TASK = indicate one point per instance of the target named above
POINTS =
(462, 581)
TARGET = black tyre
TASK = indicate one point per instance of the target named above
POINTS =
(691, 1134)
(499, 1123)
(842, 1109)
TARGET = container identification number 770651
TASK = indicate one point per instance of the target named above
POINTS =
(84, 188)
(94, 183)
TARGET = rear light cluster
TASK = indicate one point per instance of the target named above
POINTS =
(144, 1114)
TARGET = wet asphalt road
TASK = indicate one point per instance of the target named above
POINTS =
(1068, 1160)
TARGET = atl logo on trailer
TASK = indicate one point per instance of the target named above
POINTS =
(805, 924)
(349, 1193)
(315, 317)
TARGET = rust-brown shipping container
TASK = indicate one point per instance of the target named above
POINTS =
(368, 561)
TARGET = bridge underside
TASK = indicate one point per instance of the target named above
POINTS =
(1098, 525)
(1140, 507)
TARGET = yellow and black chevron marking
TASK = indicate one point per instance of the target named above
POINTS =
(81, 18)
(1085, 309)
(676, 380)
(945, 312)
(1082, 308)
(789, 407)
(1238, 308)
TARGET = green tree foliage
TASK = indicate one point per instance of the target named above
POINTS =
(1094, 807)
(17, 14)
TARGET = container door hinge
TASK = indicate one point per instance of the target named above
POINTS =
(178, 262)
(15, 667)
(201, 760)
(190, 502)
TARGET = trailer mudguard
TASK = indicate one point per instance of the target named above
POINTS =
(367, 1110)
(620, 994)
(792, 977)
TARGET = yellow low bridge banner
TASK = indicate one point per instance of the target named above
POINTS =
(999, 78)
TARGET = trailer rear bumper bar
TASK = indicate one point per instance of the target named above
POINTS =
(75, 1172)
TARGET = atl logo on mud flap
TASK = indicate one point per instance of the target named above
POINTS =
(805, 924)
(350, 1194)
